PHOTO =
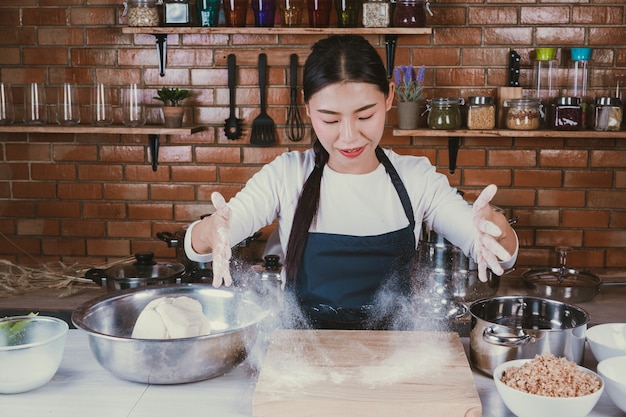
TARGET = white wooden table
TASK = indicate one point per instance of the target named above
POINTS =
(81, 388)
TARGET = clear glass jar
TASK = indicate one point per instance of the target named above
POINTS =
(409, 13)
(177, 13)
(608, 114)
(376, 14)
(142, 13)
(567, 114)
(444, 113)
(523, 113)
(481, 113)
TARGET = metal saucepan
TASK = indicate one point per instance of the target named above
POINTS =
(517, 327)
(109, 321)
(142, 272)
(563, 283)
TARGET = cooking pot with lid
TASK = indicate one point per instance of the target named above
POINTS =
(517, 327)
(142, 272)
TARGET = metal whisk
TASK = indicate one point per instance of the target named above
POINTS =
(295, 125)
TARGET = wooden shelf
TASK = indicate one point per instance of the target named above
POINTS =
(275, 31)
(583, 134)
(110, 130)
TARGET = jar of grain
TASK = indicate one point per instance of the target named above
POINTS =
(444, 113)
(376, 13)
(481, 113)
(523, 113)
(608, 114)
(142, 13)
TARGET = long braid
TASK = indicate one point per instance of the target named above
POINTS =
(305, 213)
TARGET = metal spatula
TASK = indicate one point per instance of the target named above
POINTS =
(263, 127)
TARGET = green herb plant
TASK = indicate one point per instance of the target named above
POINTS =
(171, 97)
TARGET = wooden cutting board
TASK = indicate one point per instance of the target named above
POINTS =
(344, 373)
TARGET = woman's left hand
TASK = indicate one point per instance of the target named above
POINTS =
(493, 231)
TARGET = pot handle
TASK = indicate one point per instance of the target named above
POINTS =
(490, 336)
(97, 275)
(168, 238)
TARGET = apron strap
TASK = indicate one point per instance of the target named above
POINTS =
(397, 183)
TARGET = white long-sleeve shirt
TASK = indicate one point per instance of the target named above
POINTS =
(350, 204)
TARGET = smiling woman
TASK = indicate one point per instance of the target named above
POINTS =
(349, 212)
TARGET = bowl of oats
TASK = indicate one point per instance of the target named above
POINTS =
(547, 386)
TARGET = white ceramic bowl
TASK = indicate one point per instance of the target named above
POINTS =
(523, 404)
(607, 340)
(613, 371)
(30, 356)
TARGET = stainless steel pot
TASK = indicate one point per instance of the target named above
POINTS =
(442, 270)
(516, 327)
(142, 272)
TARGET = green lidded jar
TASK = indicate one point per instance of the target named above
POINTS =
(444, 113)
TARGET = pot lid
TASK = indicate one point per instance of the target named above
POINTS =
(561, 277)
(145, 267)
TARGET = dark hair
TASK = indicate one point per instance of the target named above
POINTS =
(336, 59)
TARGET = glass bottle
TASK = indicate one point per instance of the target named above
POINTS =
(208, 12)
(376, 13)
(608, 114)
(545, 75)
(177, 13)
(348, 12)
(291, 12)
(142, 13)
(567, 114)
(523, 113)
(444, 113)
(264, 12)
(578, 80)
(481, 113)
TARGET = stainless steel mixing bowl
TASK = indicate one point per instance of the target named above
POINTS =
(109, 321)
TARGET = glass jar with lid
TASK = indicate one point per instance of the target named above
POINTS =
(444, 113)
(567, 114)
(142, 13)
(376, 13)
(481, 113)
(177, 13)
(608, 114)
(523, 113)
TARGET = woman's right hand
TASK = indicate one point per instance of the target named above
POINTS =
(212, 234)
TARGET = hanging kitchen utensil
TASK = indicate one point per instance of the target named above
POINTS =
(295, 125)
(263, 127)
(232, 125)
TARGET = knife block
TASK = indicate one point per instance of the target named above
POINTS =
(506, 93)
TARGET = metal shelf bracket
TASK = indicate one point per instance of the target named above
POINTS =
(453, 149)
(154, 150)
(161, 44)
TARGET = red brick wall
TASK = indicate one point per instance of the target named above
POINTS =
(91, 198)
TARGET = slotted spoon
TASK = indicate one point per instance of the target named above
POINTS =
(232, 125)
(263, 127)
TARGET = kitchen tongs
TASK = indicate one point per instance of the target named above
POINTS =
(232, 125)
(263, 127)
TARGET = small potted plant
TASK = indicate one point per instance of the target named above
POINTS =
(409, 86)
(172, 99)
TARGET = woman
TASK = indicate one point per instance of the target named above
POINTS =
(350, 213)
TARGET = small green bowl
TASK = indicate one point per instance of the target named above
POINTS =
(545, 54)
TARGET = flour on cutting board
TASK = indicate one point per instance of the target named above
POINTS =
(307, 365)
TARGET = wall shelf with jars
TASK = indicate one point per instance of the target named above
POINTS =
(390, 33)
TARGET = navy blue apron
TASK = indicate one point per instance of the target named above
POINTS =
(340, 276)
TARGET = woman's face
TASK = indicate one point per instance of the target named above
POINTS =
(349, 120)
